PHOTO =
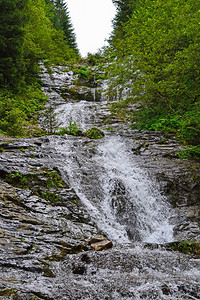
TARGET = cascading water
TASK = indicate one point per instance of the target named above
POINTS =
(132, 197)
(45, 246)
(80, 112)
(120, 197)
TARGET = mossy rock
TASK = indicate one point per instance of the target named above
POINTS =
(95, 133)
(81, 93)
(191, 248)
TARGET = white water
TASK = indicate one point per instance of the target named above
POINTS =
(127, 205)
(140, 194)
(80, 112)
(118, 195)
(121, 198)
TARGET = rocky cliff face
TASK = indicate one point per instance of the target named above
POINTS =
(46, 228)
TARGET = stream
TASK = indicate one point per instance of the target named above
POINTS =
(128, 190)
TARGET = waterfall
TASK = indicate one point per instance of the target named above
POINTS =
(116, 185)
(120, 197)
(131, 196)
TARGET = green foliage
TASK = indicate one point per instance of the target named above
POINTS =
(97, 59)
(28, 35)
(42, 40)
(110, 129)
(49, 122)
(61, 21)
(4, 292)
(72, 129)
(53, 198)
(125, 9)
(157, 64)
(11, 42)
(190, 152)
(44, 185)
(95, 133)
(186, 126)
(89, 74)
(17, 111)
(84, 72)
(187, 247)
(121, 109)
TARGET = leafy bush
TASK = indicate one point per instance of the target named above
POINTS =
(19, 110)
(95, 133)
(185, 126)
(157, 62)
(71, 129)
(190, 152)
(84, 73)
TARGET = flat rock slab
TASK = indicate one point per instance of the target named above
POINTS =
(102, 245)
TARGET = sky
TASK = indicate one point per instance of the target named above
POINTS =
(92, 22)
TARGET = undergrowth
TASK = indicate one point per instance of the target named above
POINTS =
(185, 125)
(18, 112)
(45, 185)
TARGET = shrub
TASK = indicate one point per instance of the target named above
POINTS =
(71, 129)
(95, 133)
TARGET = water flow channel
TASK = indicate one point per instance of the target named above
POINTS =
(121, 198)
(126, 204)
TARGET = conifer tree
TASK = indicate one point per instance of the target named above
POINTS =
(125, 9)
(11, 41)
(61, 21)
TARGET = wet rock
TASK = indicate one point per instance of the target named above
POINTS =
(45, 248)
(103, 245)
(34, 233)
(78, 268)
(81, 92)
(85, 258)
(7, 192)
(97, 238)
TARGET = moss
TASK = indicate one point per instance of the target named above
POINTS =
(6, 292)
(110, 129)
(45, 185)
(64, 250)
(48, 179)
(53, 198)
(162, 141)
(95, 133)
(192, 248)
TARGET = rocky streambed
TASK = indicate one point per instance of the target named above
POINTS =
(60, 194)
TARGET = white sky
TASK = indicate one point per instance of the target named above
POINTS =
(92, 24)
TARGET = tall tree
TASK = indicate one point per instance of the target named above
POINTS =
(11, 41)
(61, 21)
(158, 62)
(125, 9)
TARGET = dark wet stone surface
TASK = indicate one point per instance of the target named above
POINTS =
(45, 248)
